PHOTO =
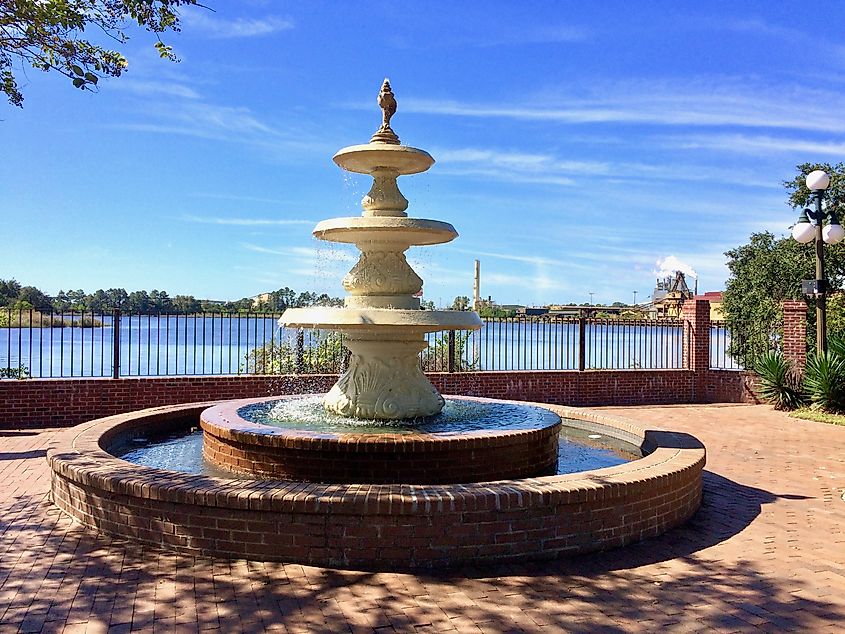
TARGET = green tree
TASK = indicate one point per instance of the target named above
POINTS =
(763, 273)
(61, 302)
(799, 195)
(138, 302)
(767, 271)
(48, 35)
(117, 298)
(186, 304)
(160, 301)
(9, 290)
(35, 298)
(461, 302)
(99, 301)
(77, 299)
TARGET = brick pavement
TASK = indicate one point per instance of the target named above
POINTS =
(765, 552)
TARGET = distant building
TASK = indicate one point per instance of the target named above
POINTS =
(534, 311)
(260, 299)
(715, 299)
(669, 295)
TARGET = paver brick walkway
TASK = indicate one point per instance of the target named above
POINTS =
(765, 552)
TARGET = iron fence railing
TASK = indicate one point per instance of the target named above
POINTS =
(559, 343)
(114, 344)
(722, 353)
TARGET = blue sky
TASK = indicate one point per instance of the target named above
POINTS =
(580, 147)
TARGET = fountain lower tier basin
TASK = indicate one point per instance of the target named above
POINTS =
(372, 526)
(232, 441)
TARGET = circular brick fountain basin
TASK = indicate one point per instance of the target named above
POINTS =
(232, 442)
(375, 526)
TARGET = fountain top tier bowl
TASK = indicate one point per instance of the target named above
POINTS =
(385, 328)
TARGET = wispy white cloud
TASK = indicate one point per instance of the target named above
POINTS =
(707, 102)
(760, 27)
(205, 120)
(238, 197)
(748, 144)
(491, 34)
(325, 253)
(199, 20)
(547, 169)
(246, 222)
(550, 34)
(530, 259)
(305, 254)
(163, 87)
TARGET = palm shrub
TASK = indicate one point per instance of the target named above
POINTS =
(780, 383)
(824, 380)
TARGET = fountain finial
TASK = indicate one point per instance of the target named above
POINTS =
(387, 103)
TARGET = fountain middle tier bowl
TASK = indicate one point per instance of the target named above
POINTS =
(400, 232)
(380, 319)
(370, 157)
(266, 438)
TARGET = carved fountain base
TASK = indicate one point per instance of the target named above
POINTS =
(384, 380)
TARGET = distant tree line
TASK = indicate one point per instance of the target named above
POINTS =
(15, 296)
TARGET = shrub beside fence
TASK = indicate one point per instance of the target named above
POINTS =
(722, 350)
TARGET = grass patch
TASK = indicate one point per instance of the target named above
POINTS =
(819, 417)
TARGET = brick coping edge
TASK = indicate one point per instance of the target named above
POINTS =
(505, 520)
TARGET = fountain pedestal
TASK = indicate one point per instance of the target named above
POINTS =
(381, 316)
(383, 379)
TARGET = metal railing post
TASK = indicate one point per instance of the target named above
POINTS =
(115, 322)
(582, 344)
(450, 364)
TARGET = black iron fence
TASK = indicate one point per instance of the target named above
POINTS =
(725, 355)
(112, 344)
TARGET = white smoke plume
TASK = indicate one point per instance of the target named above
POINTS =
(668, 265)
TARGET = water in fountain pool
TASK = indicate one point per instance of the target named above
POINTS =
(457, 416)
(578, 450)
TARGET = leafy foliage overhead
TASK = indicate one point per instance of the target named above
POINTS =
(799, 195)
(48, 35)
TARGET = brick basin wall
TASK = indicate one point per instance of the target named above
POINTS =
(239, 445)
(377, 526)
(38, 403)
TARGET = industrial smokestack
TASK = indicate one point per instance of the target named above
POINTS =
(476, 287)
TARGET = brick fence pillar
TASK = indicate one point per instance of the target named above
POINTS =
(696, 317)
(795, 332)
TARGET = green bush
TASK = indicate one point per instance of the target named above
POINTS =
(435, 358)
(324, 356)
(824, 381)
(780, 383)
(15, 373)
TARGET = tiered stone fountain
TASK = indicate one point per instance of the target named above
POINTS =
(404, 497)
(385, 333)
(382, 319)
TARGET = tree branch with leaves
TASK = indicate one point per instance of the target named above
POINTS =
(50, 35)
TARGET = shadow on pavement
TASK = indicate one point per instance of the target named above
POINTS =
(53, 571)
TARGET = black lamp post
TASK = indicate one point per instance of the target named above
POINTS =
(811, 226)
